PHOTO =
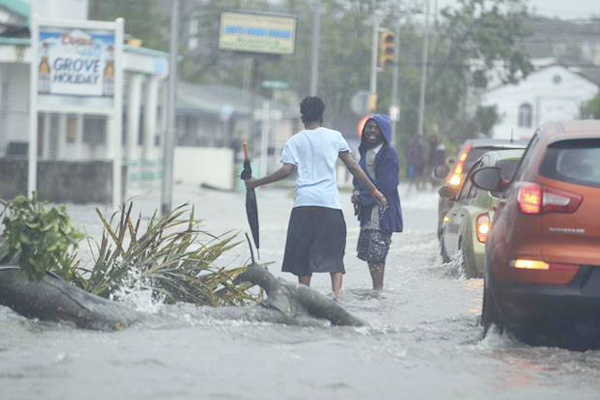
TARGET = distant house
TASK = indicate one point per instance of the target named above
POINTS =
(552, 92)
(212, 121)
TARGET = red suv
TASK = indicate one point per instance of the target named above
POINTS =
(543, 252)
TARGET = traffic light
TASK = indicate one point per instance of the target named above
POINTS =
(372, 102)
(386, 49)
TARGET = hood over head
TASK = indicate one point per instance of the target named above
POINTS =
(384, 126)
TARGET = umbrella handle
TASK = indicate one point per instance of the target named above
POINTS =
(245, 147)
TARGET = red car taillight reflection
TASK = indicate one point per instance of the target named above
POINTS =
(482, 227)
(455, 177)
(536, 199)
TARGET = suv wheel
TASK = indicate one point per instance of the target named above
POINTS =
(467, 257)
(443, 252)
(490, 312)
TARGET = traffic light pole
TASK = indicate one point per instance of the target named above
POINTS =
(396, 83)
(424, 71)
(316, 41)
(374, 53)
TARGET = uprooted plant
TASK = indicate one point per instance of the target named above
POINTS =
(170, 253)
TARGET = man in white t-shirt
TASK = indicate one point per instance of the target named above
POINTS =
(316, 236)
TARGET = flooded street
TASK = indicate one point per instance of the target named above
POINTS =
(423, 342)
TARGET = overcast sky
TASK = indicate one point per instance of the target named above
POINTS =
(566, 9)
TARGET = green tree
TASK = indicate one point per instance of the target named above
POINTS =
(591, 109)
(144, 19)
(472, 41)
(476, 40)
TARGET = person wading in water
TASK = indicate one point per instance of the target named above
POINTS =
(316, 235)
(379, 160)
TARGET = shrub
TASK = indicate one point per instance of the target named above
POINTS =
(172, 255)
(40, 239)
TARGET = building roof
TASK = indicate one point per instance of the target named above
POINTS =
(545, 66)
(212, 99)
(18, 7)
(14, 18)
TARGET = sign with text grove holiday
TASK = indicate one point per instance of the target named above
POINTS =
(76, 62)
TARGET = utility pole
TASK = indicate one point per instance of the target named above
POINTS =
(424, 70)
(374, 50)
(395, 110)
(316, 41)
(169, 136)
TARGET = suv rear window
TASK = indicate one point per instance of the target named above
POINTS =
(477, 152)
(575, 161)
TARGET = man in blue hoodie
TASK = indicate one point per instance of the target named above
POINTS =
(379, 160)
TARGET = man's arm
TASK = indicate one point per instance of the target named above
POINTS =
(283, 172)
(358, 173)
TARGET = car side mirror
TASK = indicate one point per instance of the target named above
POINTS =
(488, 178)
(447, 191)
(441, 171)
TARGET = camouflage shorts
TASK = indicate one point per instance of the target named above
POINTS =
(373, 245)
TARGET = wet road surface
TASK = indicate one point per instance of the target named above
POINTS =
(423, 342)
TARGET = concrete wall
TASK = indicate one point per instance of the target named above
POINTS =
(60, 181)
(204, 165)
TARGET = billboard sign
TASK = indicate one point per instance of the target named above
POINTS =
(77, 68)
(76, 62)
(258, 33)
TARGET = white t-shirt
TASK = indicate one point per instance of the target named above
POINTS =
(314, 152)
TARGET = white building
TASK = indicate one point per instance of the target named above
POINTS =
(73, 136)
(207, 116)
(551, 93)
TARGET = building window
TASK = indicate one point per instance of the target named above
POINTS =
(94, 129)
(556, 79)
(71, 129)
(525, 111)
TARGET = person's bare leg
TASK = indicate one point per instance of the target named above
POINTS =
(336, 283)
(305, 279)
(377, 272)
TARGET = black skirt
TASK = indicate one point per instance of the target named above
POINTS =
(316, 241)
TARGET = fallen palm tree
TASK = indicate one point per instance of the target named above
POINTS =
(167, 254)
(53, 299)
(294, 302)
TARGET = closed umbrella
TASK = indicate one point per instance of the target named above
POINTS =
(251, 208)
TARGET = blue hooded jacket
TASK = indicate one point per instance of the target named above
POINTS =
(386, 171)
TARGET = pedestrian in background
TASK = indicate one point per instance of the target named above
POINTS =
(437, 157)
(416, 162)
(316, 235)
(379, 160)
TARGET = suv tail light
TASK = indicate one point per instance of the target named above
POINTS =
(531, 264)
(536, 199)
(482, 227)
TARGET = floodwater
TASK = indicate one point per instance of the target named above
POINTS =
(423, 341)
